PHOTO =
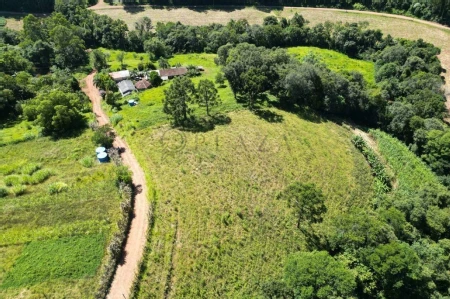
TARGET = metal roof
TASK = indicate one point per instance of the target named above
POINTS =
(126, 86)
(120, 75)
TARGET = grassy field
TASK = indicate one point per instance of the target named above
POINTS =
(149, 111)
(219, 232)
(338, 62)
(52, 245)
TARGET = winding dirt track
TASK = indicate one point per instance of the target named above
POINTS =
(135, 245)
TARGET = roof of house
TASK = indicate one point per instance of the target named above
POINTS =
(143, 84)
(120, 74)
(173, 72)
(126, 86)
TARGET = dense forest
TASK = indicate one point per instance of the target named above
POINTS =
(398, 249)
(436, 10)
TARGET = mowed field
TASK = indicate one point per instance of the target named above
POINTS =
(219, 231)
(52, 244)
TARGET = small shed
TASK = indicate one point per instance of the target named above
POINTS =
(120, 75)
(142, 85)
(103, 157)
(126, 87)
(200, 68)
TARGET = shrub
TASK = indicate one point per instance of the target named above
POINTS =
(3, 192)
(104, 136)
(57, 187)
(26, 179)
(87, 162)
(123, 175)
(12, 180)
(40, 176)
(30, 168)
(116, 118)
(29, 136)
(18, 190)
(359, 6)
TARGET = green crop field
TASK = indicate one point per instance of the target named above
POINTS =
(219, 232)
(53, 244)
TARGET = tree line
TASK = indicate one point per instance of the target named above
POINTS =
(436, 10)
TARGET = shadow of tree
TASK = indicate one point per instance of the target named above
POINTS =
(268, 115)
(133, 8)
(205, 124)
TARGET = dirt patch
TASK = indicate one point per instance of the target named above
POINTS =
(137, 236)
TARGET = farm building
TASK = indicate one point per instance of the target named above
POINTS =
(143, 84)
(167, 74)
(126, 87)
(120, 76)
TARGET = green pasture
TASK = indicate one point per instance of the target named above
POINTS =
(53, 244)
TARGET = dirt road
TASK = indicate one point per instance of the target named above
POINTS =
(134, 247)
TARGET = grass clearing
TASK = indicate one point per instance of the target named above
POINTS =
(338, 62)
(219, 231)
(90, 208)
(70, 257)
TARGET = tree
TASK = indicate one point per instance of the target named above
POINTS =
(437, 151)
(220, 79)
(207, 95)
(104, 136)
(254, 82)
(69, 48)
(297, 21)
(156, 48)
(317, 275)
(163, 63)
(57, 112)
(155, 79)
(270, 20)
(307, 201)
(99, 60)
(398, 270)
(120, 57)
(12, 62)
(356, 229)
(143, 26)
(177, 98)
(104, 81)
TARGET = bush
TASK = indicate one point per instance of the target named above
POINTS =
(116, 118)
(123, 175)
(57, 187)
(359, 6)
(40, 176)
(104, 136)
(3, 192)
(30, 168)
(87, 162)
(18, 190)
(12, 180)
(26, 179)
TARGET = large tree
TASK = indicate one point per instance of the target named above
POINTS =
(177, 97)
(57, 112)
(207, 95)
(317, 275)
(307, 201)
